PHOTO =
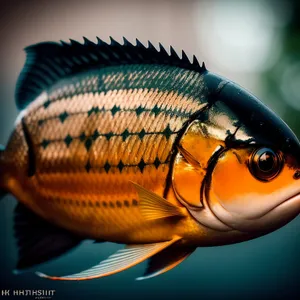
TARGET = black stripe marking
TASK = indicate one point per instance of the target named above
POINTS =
(96, 110)
(31, 155)
(88, 139)
(141, 165)
(174, 151)
(212, 98)
(206, 182)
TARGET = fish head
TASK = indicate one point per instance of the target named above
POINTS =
(238, 164)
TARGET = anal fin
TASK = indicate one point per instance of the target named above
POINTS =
(166, 260)
(39, 241)
(120, 261)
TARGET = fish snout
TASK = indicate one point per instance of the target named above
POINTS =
(276, 216)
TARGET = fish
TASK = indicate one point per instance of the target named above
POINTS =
(134, 145)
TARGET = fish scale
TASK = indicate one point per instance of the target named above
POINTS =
(93, 136)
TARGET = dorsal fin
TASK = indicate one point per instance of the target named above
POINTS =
(48, 62)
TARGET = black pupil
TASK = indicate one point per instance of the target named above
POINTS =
(266, 161)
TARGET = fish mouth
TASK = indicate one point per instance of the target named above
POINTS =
(279, 216)
(291, 199)
(271, 220)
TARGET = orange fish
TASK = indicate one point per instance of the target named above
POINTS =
(132, 145)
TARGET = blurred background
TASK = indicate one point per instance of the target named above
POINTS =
(254, 43)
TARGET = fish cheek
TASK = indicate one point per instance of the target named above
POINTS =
(234, 189)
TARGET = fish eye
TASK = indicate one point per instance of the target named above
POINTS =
(265, 164)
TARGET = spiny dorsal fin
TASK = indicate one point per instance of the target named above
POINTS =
(48, 62)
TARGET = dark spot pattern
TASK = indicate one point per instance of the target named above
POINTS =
(89, 139)
(94, 110)
(47, 103)
(88, 166)
(107, 167)
(120, 166)
(104, 204)
(125, 134)
(115, 109)
(45, 143)
(167, 132)
(95, 135)
(156, 110)
(139, 110)
(68, 140)
(141, 134)
(63, 116)
(141, 165)
(82, 137)
(88, 144)
(109, 135)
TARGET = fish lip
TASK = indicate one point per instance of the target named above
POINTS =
(295, 198)
(244, 224)
(265, 213)
(288, 200)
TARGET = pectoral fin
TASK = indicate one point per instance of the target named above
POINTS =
(166, 260)
(120, 261)
(155, 207)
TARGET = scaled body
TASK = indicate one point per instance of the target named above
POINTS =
(88, 137)
(130, 145)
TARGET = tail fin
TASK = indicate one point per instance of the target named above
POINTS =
(2, 192)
